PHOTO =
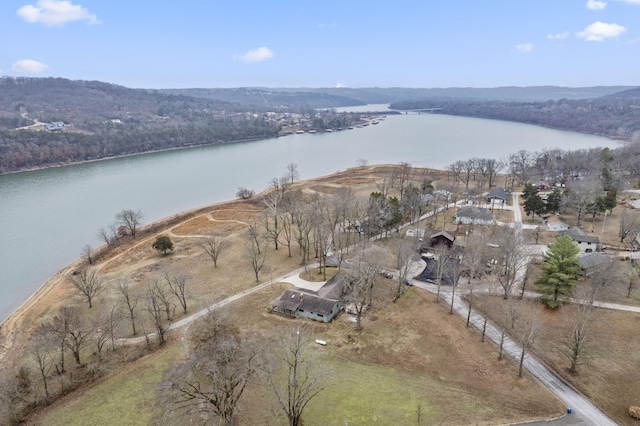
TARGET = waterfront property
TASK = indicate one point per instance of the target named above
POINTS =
(321, 305)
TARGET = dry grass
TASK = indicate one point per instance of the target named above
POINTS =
(409, 353)
(609, 377)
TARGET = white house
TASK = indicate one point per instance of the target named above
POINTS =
(585, 243)
(471, 215)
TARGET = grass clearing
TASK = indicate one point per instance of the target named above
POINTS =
(126, 397)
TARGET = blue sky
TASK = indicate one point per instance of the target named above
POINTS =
(298, 43)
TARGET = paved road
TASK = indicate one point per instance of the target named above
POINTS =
(583, 411)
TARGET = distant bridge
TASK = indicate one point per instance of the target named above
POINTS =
(421, 110)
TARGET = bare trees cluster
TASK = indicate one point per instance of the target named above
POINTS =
(127, 222)
(223, 362)
(482, 171)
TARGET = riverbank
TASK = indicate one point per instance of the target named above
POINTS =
(54, 289)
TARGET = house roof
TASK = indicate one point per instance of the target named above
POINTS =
(553, 219)
(321, 302)
(592, 260)
(444, 234)
(289, 300)
(497, 192)
(473, 212)
(334, 288)
(579, 236)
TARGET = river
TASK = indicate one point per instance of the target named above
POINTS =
(49, 215)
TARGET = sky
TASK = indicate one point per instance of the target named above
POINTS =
(329, 43)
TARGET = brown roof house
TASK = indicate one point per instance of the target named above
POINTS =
(322, 305)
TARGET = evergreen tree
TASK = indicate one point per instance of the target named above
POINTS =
(163, 244)
(560, 271)
(553, 201)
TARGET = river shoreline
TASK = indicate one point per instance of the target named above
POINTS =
(9, 326)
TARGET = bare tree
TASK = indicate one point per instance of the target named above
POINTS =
(245, 193)
(359, 290)
(507, 318)
(214, 246)
(78, 334)
(131, 220)
(511, 256)
(131, 302)
(88, 283)
(362, 162)
(404, 251)
(474, 257)
(108, 234)
(13, 396)
(104, 330)
(87, 253)
(58, 328)
(42, 350)
(292, 172)
(154, 309)
(574, 345)
(583, 195)
(629, 226)
(598, 278)
(161, 295)
(178, 287)
(304, 378)
(213, 379)
(527, 330)
(256, 253)
(442, 256)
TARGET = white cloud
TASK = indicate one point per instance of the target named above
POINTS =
(327, 25)
(559, 36)
(524, 47)
(598, 31)
(596, 5)
(632, 1)
(29, 66)
(56, 12)
(256, 55)
(340, 85)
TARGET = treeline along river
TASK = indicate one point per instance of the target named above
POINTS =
(47, 216)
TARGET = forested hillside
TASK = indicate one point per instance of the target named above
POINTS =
(613, 117)
(103, 120)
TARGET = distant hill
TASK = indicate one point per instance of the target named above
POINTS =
(88, 104)
(626, 94)
(343, 96)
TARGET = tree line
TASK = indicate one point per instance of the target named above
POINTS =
(617, 118)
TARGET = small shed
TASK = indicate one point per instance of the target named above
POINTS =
(553, 223)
